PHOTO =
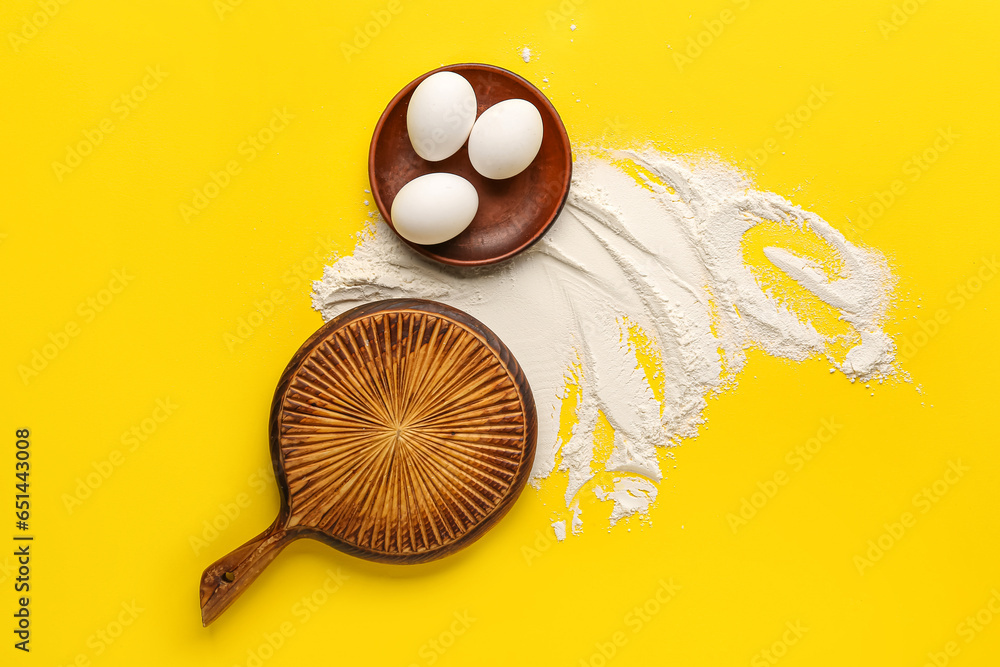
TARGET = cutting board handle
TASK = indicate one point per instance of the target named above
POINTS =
(225, 579)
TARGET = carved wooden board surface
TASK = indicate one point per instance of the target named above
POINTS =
(400, 431)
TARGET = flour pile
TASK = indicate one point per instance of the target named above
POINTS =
(646, 240)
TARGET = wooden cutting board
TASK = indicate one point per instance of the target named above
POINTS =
(401, 431)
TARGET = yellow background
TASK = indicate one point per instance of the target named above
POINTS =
(616, 81)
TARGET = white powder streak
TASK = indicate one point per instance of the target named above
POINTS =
(621, 254)
(631, 495)
(559, 528)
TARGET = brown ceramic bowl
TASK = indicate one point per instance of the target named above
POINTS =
(513, 213)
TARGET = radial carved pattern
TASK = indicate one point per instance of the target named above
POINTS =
(400, 432)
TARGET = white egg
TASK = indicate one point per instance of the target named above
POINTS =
(434, 208)
(440, 115)
(505, 139)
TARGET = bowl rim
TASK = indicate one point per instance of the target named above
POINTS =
(563, 138)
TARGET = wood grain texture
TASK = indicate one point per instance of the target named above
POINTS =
(400, 432)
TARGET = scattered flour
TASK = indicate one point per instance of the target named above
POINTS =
(630, 494)
(559, 528)
(526, 54)
(649, 240)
